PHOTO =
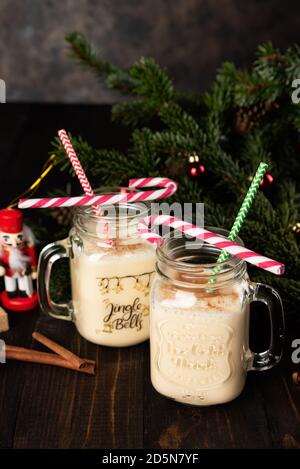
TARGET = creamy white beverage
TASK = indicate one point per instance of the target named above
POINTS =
(199, 324)
(110, 290)
(111, 269)
(199, 344)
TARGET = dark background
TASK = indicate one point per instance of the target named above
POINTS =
(190, 37)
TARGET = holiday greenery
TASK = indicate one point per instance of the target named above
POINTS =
(246, 117)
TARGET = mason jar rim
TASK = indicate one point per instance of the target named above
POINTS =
(231, 268)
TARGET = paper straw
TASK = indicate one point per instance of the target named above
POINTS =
(85, 184)
(242, 213)
(145, 229)
(75, 163)
(168, 188)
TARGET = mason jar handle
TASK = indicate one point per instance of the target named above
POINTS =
(50, 254)
(267, 295)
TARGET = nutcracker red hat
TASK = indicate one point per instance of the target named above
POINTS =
(11, 220)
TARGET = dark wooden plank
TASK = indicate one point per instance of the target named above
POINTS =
(13, 375)
(241, 423)
(281, 399)
(65, 409)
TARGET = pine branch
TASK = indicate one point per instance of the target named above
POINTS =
(292, 57)
(113, 167)
(180, 121)
(270, 64)
(144, 152)
(287, 205)
(218, 101)
(225, 168)
(153, 81)
(253, 144)
(85, 54)
(220, 97)
(251, 88)
(134, 113)
(173, 143)
(82, 51)
(84, 150)
(189, 191)
(105, 166)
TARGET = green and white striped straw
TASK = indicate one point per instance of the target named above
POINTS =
(262, 168)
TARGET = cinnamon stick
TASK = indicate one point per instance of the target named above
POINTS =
(34, 356)
(63, 352)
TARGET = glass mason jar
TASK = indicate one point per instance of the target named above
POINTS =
(111, 269)
(199, 324)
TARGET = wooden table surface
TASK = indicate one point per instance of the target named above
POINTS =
(48, 407)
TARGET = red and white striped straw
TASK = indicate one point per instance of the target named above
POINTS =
(85, 184)
(168, 188)
(145, 229)
(87, 189)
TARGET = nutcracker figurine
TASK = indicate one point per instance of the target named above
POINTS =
(17, 261)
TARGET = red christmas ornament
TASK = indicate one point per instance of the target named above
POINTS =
(17, 261)
(296, 377)
(266, 182)
(195, 169)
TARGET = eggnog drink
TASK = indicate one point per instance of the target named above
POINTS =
(199, 344)
(111, 270)
(110, 288)
(199, 324)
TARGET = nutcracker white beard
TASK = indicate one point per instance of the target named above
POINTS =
(17, 260)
